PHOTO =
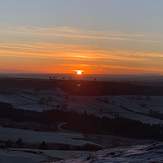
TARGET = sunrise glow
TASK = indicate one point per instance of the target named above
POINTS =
(79, 72)
(101, 46)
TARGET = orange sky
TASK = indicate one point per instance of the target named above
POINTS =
(65, 49)
(97, 36)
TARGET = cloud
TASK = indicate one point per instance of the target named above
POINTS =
(76, 33)
(46, 49)
(56, 50)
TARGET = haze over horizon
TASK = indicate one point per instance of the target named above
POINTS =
(98, 37)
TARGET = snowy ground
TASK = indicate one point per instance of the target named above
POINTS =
(33, 100)
(29, 136)
(133, 107)
(38, 156)
(149, 153)
(152, 153)
(7, 156)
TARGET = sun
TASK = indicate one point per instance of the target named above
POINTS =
(79, 72)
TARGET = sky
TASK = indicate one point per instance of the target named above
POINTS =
(97, 36)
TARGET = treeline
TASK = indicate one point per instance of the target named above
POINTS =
(86, 88)
(101, 88)
(118, 126)
(85, 123)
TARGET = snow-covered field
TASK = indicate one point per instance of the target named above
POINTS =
(149, 153)
(38, 156)
(29, 136)
(152, 153)
(133, 107)
(33, 100)
(7, 156)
